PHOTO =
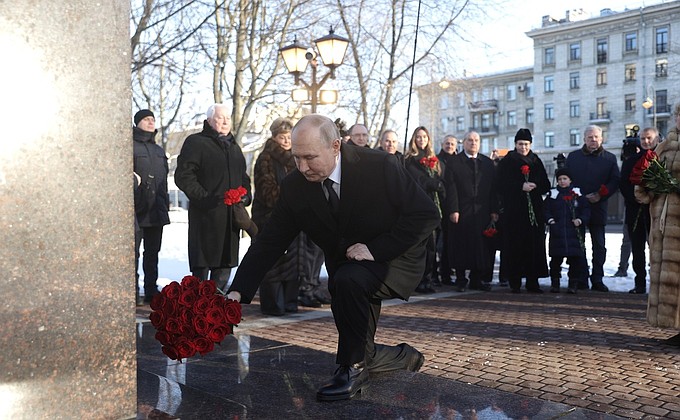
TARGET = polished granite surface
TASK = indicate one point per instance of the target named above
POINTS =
(250, 377)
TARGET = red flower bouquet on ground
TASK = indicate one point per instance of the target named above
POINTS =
(191, 316)
(532, 215)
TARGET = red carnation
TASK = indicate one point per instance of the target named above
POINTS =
(525, 170)
(603, 191)
(234, 195)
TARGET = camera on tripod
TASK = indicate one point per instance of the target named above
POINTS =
(631, 144)
(560, 160)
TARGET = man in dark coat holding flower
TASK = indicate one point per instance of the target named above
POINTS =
(596, 172)
(373, 239)
(210, 164)
(472, 204)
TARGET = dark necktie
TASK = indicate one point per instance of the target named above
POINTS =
(333, 199)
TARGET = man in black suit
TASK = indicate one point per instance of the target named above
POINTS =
(472, 205)
(373, 237)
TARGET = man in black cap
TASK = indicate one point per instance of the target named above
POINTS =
(151, 197)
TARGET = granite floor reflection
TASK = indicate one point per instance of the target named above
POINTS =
(249, 377)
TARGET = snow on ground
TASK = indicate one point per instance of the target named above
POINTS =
(174, 264)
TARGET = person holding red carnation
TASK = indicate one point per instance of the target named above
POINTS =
(637, 214)
(566, 213)
(209, 165)
(596, 172)
(427, 170)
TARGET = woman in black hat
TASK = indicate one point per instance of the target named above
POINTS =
(522, 182)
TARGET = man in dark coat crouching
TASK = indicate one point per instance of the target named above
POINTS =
(209, 164)
(373, 240)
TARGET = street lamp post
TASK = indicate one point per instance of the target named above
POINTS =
(331, 48)
(649, 103)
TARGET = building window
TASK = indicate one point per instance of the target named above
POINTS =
(475, 96)
(631, 42)
(601, 77)
(601, 51)
(460, 124)
(444, 102)
(461, 99)
(486, 122)
(549, 56)
(662, 67)
(575, 51)
(475, 121)
(601, 108)
(512, 118)
(445, 124)
(548, 112)
(511, 92)
(495, 92)
(530, 116)
(574, 80)
(662, 40)
(549, 139)
(574, 109)
(549, 84)
(629, 104)
(530, 89)
(574, 137)
(661, 102)
(630, 72)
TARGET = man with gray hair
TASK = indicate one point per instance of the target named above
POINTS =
(209, 164)
(389, 142)
(358, 135)
(373, 240)
(596, 172)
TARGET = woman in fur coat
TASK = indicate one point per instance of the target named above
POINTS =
(663, 306)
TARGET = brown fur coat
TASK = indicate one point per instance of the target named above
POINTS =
(663, 307)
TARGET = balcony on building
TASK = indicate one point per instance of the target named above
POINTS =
(488, 105)
(485, 130)
(662, 111)
(600, 117)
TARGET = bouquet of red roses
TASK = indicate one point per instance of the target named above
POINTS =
(191, 316)
(650, 173)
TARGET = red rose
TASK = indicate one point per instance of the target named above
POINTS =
(163, 337)
(172, 290)
(171, 352)
(187, 330)
(233, 312)
(603, 191)
(190, 282)
(185, 348)
(157, 301)
(172, 325)
(214, 316)
(186, 317)
(187, 298)
(525, 170)
(170, 308)
(201, 325)
(207, 288)
(201, 305)
(203, 345)
(641, 166)
(490, 232)
(217, 333)
(157, 319)
(568, 197)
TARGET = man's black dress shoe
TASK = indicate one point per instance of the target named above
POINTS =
(347, 381)
(600, 287)
(309, 301)
(637, 291)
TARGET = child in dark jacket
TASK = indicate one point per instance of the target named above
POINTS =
(566, 213)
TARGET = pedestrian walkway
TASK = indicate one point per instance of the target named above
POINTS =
(492, 355)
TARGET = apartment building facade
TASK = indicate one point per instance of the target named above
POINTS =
(616, 70)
